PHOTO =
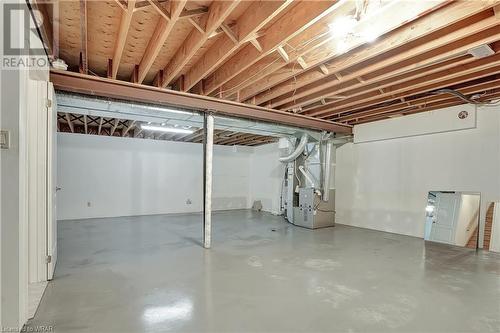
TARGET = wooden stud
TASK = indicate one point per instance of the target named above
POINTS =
(196, 24)
(229, 32)
(122, 4)
(246, 28)
(125, 21)
(113, 129)
(83, 37)
(130, 126)
(283, 54)
(420, 29)
(299, 18)
(193, 12)
(70, 123)
(160, 9)
(109, 72)
(217, 14)
(158, 81)
(85, 124)
(162, 31)
(96, 86)
(135, 75)
(256, 44)
(323, 69)
(302, 62)
(440, 79)
(100, 126)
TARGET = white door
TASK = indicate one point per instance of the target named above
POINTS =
(51, 181)
(444, 219)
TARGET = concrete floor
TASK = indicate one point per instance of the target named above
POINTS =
(149, 274)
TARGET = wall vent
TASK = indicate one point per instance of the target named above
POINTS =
(481, 51)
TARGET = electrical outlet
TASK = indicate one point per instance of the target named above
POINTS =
(188, 202)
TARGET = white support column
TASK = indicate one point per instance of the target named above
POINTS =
(207, 175)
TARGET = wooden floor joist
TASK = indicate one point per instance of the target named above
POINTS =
(73, 82)
(284, 59)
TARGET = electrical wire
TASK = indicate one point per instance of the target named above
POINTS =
(465, 98)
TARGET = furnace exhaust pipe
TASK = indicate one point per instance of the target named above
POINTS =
(296, 153)
(327, 170)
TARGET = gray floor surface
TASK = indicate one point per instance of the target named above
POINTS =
(150, 274)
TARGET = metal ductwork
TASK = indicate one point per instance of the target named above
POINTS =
(296, 153)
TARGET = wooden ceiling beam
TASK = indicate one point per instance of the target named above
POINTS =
(283, 54)
(352, 88)
(122, 37)
(300, 17)
(197, 25)
(217, 14)
(162, 31)
(84, 67)
(233, 139)
(122, 4)
(318, 50)
(97, 86)
(444, 47)
(473, 88)
(418, 30)
(255, 18)
(193, 12)
(471, 71)
(493, 95)
(160, 9)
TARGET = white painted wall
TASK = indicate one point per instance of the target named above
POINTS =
(267, 174)
(126, 176)
(15, 163)
(383, 184)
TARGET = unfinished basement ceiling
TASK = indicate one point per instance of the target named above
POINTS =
(100, 116)
(343, 61)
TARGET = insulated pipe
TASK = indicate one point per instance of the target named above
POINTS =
(296, 153)
(207, 177)
(327, 171)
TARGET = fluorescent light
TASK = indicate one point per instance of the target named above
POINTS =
(166, 129)
(165, 109)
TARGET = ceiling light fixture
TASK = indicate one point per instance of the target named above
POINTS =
(166, 129)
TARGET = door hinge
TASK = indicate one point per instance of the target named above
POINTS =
(48, 103)
(48, 259)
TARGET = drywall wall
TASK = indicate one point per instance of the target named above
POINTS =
(266, 176)
(103, 176)
(14, 165)
(383, 184)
